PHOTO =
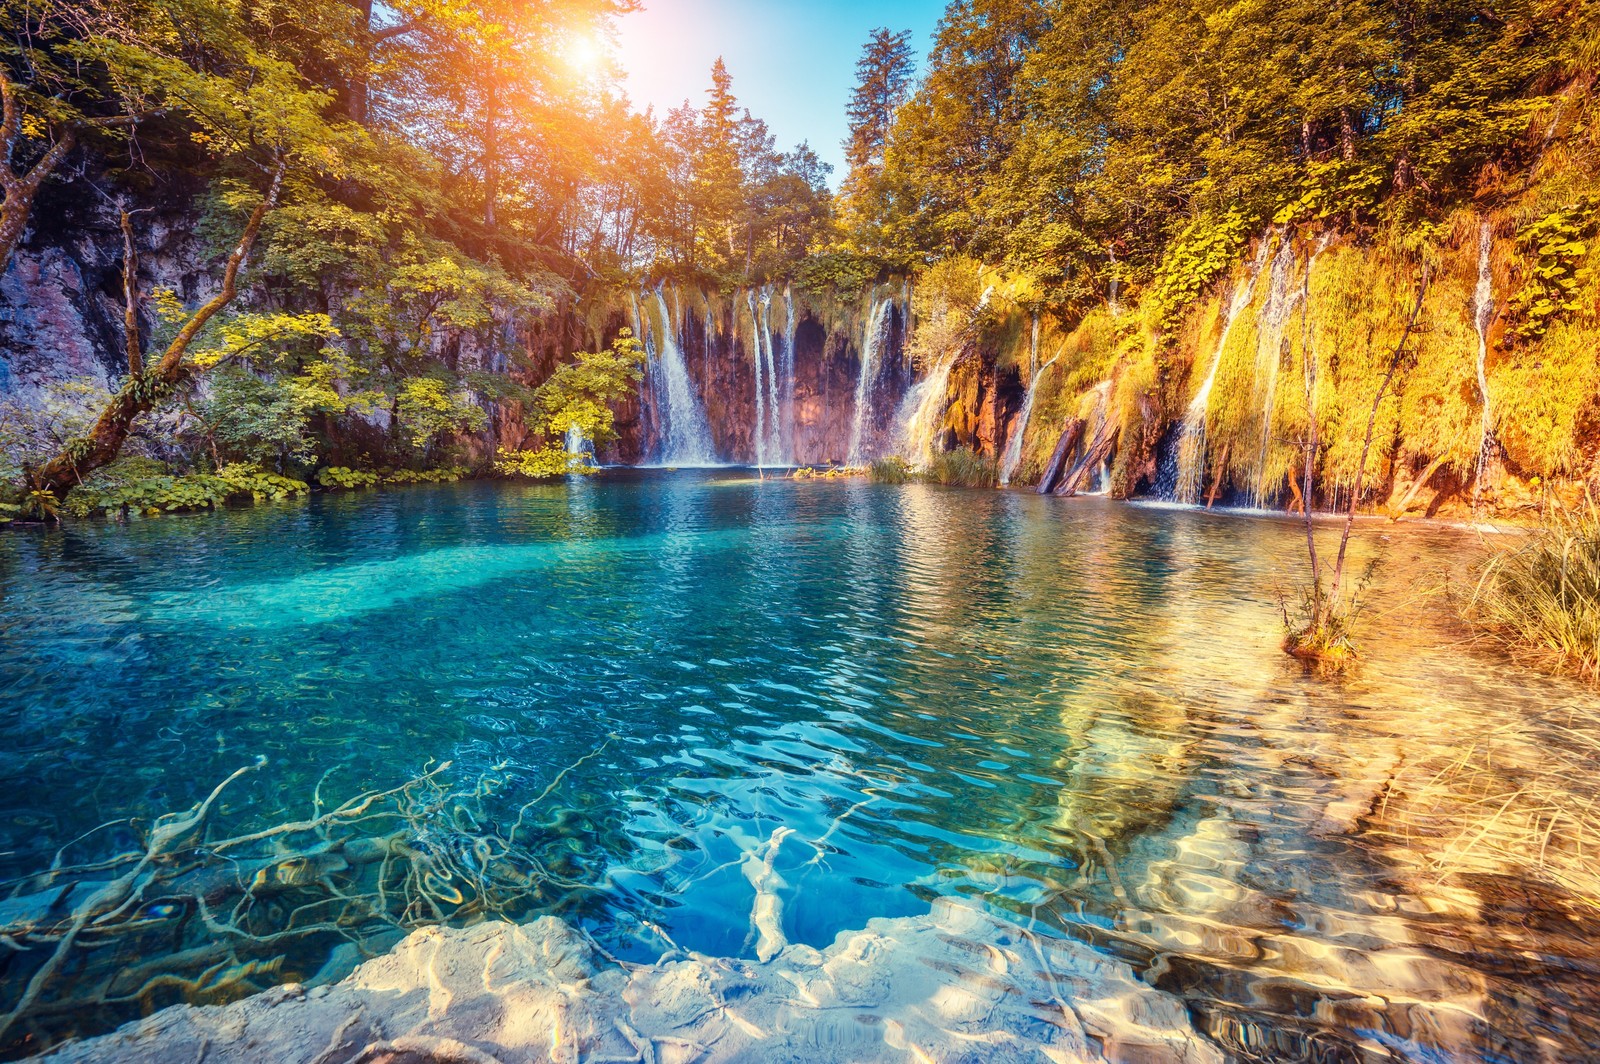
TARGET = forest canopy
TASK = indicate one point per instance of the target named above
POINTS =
(384, 189)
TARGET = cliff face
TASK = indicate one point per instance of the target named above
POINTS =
(61, 331)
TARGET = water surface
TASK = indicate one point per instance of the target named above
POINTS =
(1073, 708)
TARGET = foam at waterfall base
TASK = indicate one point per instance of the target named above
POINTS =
(958, 983)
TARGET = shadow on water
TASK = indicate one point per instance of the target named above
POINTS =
(1072, 709)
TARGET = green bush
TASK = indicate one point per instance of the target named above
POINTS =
(965, 467)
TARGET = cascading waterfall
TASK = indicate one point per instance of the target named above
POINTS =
(786, 435)
(1192, 443)
(874, 338)
(1270, 323)
(1482, 316)
(922, 412)
(685, 435)
(580, 451)
(768, 437)
(1013, 454)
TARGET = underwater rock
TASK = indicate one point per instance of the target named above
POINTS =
(958, 984)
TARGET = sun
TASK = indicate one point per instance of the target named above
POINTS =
(583, 54)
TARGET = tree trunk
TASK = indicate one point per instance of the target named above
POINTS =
(130, 299)
(85, 454)
(1058, 458)
(1100, 445)
(21, 190)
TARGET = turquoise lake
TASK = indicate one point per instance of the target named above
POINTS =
(1075, 709)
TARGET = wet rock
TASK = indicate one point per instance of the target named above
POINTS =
(957, 984)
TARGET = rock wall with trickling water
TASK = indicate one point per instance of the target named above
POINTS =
(1285, 353)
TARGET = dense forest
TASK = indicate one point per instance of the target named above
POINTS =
(395, 228)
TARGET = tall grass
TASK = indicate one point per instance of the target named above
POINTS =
(965, 467)
(1542, 596)
(891, 470)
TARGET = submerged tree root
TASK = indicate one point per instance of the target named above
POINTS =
(200, 915)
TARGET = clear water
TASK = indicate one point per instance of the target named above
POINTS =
(1074, 708)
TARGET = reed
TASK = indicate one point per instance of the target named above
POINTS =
(1541, 596)
(890, 470)
(964, 467)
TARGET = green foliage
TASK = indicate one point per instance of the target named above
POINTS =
(1199, 255)
(41, 505)
(429, 409)
(844, 272)
(1554, 278)
(1541, 595)
(144, 485)
(542, 464)
(1332, 189)
(243, 479)
(441, 475)
(579, 394)
(343, 478)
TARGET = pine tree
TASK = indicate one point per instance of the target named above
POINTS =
(883, 85)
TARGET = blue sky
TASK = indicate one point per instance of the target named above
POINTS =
(793, 62)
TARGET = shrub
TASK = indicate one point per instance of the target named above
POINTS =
(1541, 597)
(965, 467)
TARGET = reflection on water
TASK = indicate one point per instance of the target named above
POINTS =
(1072, 709)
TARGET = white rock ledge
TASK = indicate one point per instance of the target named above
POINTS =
(956, 985)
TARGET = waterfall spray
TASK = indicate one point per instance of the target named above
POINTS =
(873, 339)
(1192, 444)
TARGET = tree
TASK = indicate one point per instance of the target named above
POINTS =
(883, 85)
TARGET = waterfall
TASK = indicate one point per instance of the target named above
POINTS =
(1192, 444)
(1270, 322)
(774, 416)
(768, 438)
(874, 337)
(922, 413)
(1482, 317)
(787, 433)
(580, 452)
(1013, 453)
(759, 437)
(685, 436)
